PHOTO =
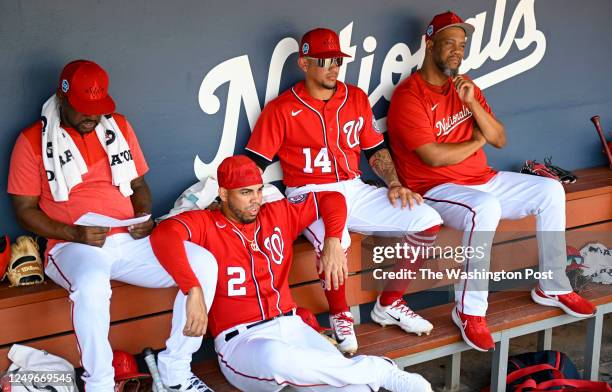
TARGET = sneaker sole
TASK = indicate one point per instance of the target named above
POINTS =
(383, 321)
(349, 350)
(457, 321)
(557, 304)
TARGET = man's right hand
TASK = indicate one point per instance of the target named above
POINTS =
(90, 235)
(197, 315)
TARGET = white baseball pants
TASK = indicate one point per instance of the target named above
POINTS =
(369, 212)
(85, 271)
(287, 352)
(477, 209)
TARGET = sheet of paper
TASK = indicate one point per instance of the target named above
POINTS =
(93, 219)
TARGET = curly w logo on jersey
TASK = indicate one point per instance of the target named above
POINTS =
(352, 129)
(275, 245)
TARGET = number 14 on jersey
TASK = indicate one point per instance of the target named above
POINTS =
(321, 160)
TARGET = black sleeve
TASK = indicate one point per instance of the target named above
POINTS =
(260, 161)
(373, 150)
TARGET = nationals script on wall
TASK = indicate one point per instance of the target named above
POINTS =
(399, 60)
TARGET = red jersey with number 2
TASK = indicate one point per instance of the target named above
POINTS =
(254, 259)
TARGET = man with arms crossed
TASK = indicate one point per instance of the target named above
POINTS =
(81, 157)
(318, 129)
(261, 344)
(438, 123)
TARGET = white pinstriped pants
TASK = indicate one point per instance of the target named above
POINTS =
(477, 209)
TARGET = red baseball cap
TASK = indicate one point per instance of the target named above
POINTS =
(125, 366)
(321, 43)
(445, 20)
(85, 84)
(238, 171)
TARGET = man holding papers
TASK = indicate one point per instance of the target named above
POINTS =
(82, 158)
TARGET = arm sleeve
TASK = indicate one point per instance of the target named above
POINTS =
(25, 171)
(139, 160)
(167, 243)
(408, 122)
(260, 161)
(368, 153)
(371, 135)
(268, 134)
(303, 210)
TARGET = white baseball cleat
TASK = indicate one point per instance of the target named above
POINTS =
(398, 380)
(193, 384)
(398, 313)
(342, 324)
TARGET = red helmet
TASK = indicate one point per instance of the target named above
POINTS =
(125, 366)
(309, 318)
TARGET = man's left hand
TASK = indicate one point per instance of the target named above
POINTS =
(408, 198)
(141, 230)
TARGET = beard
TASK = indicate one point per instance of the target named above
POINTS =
(240, 215)
(445, 68)
(328, 86)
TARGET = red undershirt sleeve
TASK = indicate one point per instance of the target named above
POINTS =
(332, 209)
(329, 206)
(167, 243)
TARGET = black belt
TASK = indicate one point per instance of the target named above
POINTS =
(235, 332)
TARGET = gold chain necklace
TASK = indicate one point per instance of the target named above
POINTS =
(252, 243)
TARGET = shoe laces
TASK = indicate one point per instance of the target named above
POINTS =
(198, 385)
(401, 306)
(343, 323)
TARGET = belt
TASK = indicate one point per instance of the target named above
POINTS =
(235, 332)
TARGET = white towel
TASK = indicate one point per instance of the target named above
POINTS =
(63, 161)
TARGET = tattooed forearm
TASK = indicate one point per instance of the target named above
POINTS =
(383, 166)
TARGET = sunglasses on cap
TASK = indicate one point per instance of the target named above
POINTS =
(326, 63)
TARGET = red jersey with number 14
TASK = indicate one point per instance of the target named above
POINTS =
(421, 113)
(317, 142)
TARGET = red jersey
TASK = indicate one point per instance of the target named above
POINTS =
(28, 177)
(317, 142)
(421, 113)
(254, 259)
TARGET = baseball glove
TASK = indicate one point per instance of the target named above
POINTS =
(565, 176)
(25, 267)
(538, 169)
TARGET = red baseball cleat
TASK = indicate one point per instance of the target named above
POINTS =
(474, 330)
(571, 303)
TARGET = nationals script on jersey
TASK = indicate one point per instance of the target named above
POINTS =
(317, 142)
(254, 259)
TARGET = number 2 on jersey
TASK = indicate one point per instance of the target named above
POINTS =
(321, 160)
(233, 284)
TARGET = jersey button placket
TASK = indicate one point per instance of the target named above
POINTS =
(331, 142)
